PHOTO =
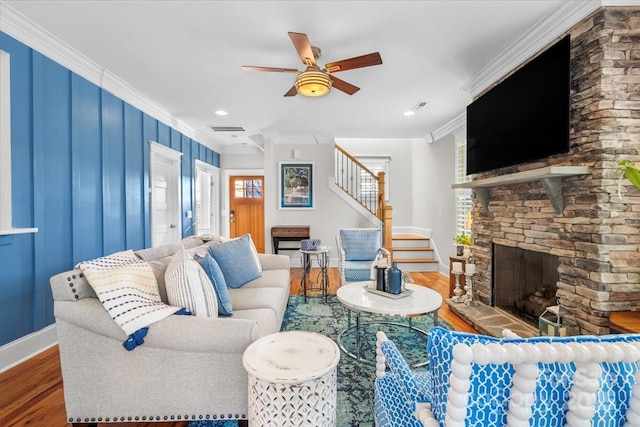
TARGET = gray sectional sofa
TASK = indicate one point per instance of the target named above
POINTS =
(188, 368)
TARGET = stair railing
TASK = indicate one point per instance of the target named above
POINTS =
(366, 188)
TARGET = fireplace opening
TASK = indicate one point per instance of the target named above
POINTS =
(524, 282)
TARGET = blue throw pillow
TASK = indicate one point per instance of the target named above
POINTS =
(237, 261)
(212, 269)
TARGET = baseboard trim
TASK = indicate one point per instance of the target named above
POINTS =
(25, 348)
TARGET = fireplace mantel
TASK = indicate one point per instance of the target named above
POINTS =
(550, 177)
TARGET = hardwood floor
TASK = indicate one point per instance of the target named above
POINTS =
(31, 393)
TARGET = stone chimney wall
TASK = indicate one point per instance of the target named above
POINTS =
(597, 236)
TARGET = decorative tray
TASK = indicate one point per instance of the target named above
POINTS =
(402, 294)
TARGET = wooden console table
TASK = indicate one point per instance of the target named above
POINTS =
(288, 233)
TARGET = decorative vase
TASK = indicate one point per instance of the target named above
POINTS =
(395, 279)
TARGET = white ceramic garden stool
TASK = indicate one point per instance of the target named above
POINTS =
(292, 380)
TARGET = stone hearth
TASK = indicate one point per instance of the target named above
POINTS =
(596, 237)
(490, 320)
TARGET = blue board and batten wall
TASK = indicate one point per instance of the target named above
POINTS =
(80, 174)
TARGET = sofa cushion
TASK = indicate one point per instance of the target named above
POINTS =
(237, 261)
(271, 279)
(189, 286)
(152, 254)
(357, 271)
(360, 244)
(214, 273)
(271, 298)
(268, 322)
(127, 288)
(159, 268)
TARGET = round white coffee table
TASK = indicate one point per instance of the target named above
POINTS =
(420, 301)
(292, 380)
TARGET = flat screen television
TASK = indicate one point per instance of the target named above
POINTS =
(525, 117)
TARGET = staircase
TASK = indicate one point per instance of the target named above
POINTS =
(413, 252)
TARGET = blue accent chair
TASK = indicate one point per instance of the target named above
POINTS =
(357, 249)
(480, 381)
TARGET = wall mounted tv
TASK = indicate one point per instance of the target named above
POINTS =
(525, 117)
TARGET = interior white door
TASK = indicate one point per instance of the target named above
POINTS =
(166, 220)
(206, 199)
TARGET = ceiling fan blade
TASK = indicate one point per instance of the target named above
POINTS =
(292, 92)
(272, 69)
(302, 45)
(357, 62)
(347, 88)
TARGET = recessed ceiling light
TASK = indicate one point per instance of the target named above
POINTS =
(415, 108)
(221, 113)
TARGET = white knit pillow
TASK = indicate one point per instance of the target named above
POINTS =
(188, 286)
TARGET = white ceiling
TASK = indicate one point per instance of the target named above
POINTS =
(185, 56)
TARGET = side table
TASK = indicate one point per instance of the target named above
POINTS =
(292, 380)
(322, 258)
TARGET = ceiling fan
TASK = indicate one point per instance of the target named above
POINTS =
(314, 81)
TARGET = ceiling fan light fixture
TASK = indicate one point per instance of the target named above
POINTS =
(313, 82)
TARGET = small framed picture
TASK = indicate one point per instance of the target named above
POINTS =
(296, 185)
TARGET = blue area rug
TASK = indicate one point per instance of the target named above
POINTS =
(355, 378)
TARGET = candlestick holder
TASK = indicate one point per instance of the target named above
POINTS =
(468, 296)
(457, 292)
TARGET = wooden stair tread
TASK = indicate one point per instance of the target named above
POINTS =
(416, 260)
(408, 236)
(408, 248)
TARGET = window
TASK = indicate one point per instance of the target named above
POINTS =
(6, 223)
(248, 189)
(5, 142)
(464, 203)
(206, 198)
(374, 164)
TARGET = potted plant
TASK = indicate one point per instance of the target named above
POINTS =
(462, 240)
(631, 172)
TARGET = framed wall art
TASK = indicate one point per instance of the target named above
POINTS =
(296, 185)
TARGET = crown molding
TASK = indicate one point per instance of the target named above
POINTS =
(453, 126)
(551, 27)
(19, 27)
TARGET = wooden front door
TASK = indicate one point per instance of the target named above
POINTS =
(246, 208)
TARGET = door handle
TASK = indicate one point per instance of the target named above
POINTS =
(172, 226)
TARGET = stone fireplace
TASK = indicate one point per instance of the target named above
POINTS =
(595, 236)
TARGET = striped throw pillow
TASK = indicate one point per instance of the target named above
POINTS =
(188, 286)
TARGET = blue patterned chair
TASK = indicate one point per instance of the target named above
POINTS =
(357, 249)
(475, 380)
